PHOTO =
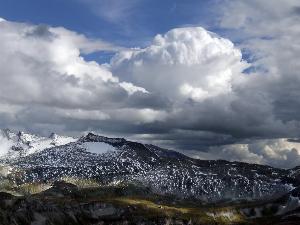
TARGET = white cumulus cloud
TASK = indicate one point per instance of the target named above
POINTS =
(43, 65)
(183, 63)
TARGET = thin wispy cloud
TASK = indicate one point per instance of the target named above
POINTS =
(114, 11)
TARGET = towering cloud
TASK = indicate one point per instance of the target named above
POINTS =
(185, 63)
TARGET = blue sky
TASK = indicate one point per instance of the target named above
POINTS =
(133, 24)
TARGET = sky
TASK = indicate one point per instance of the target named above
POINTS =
(214, 79)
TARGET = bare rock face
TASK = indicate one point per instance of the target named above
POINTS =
(28, 211)
(40, 211)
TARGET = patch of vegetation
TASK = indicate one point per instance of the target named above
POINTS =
(4, 170)
(81, 183)
(147, 208)
(6, 184)
(31, 188)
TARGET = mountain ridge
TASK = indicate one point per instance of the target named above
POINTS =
(128, 178)
(109, 160)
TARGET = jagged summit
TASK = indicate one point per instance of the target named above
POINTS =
(20, 144)
(92, 137)
(53, 136)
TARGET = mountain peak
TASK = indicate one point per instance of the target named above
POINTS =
(20, 144)
(92, 137)
(53, 136)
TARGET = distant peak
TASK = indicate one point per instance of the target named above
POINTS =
(53, 136)
(92, 135)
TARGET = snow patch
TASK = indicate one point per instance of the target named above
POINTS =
(227, 214)
(5, 145)
(98, 147)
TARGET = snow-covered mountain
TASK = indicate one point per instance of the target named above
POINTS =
(18, 144)
(111, 160)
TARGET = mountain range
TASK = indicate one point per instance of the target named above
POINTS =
(108, 162)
